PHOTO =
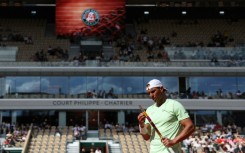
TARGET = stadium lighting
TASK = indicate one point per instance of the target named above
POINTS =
(33, 12)
(221, 12)
(183, 12)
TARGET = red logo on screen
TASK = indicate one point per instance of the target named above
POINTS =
(90, 17)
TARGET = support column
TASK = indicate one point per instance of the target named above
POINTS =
(121, 117)
(87, 119)
(1, 117)
(195, 117)
(62, 118)
(13, 117)
(219, 117)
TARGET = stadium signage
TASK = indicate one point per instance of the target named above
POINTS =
(92, 103)
(114, 104)
(90, 17)
(62, 103)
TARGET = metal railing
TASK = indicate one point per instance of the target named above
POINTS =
(97, 63)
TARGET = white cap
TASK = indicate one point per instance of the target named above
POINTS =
(154, 83)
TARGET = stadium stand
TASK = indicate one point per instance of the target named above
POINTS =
(65, 91)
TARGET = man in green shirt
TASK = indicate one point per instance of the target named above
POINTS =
(169, 117)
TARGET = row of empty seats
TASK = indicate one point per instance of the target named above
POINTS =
(53, 140)
(36, 29)
(201, 29)
(131, 142)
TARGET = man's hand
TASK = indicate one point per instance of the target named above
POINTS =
(145, 129)
(167, 142)
(141, 120)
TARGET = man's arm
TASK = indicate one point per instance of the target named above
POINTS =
(145, 129)
(188, 129)
(146, 135)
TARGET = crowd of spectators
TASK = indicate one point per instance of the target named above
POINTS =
(214, 138)
(125, 50)
(102, 94)
(149, 44)
(220, 39)
(15, 135)
(11, 35)
(40, 56)
(111, 94)
(44, 55)
(189, 94)
(156, 47)
(219, 94)
(91, 150)
(119, 127)
(208, 138)
(153, 47)
(79, 132)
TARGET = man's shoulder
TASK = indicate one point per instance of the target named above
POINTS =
(173, 102)
(151, 107)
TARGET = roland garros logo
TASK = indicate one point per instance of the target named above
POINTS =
(90, 17)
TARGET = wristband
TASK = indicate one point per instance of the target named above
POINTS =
(143, 130)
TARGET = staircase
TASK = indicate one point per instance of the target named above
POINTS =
(74, 50)
(92, 136)
(114, 147)
(108, 51)
(73, 147)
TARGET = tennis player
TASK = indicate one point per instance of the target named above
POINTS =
(169, 117)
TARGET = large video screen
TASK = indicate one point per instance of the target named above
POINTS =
(89, 17)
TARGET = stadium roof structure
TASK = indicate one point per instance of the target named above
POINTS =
(190, 3)
(160, 3)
